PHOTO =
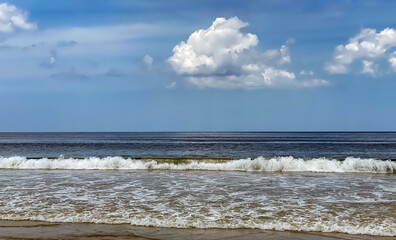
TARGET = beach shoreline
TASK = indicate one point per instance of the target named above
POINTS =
(46, 230)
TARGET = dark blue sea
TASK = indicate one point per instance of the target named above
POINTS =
(339, 145)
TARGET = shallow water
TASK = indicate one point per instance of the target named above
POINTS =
(348, 203)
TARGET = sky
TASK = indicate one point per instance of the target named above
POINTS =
(225, 65)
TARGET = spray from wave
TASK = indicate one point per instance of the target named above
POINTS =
(260, 164)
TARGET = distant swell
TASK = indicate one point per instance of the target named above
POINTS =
(260, 164)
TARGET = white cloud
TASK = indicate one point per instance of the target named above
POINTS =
(50, 63)
(52, 60)
(83, 44)
(77, 47)
(86, 38)
(306, 73)
(225, 56)
(369, 68)
(367, 46)
(12, 18)
(279, 57)
(214, 50)
(336, 68)
(148, 61)
(392, 61)
(271, 74)
(172, 85)
(315, 83)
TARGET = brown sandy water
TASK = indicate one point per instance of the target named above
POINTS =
(49, 231)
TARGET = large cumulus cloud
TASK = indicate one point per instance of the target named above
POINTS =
(225, 56)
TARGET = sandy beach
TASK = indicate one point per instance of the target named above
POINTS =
(45, 230)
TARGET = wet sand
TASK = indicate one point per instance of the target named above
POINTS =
(44, 230)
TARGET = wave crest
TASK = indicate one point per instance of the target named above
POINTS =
(260, 164)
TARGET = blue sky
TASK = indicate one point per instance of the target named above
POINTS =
(121, 65)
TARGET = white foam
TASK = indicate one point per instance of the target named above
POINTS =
(386, 227)
(260, 164)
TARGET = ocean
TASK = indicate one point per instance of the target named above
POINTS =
(284, 181)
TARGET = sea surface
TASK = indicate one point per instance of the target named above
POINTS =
(285, 181)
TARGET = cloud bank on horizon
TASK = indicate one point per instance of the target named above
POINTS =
(224, 56)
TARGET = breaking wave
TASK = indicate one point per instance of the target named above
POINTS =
(260, 164)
